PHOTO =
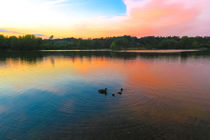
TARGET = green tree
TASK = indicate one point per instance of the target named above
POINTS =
(168, 44)
(120, 43)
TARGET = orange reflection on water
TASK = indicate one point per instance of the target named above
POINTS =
(169, 89)
(21, 74)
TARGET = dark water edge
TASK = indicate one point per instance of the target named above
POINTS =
(33, 56)
(35, 116)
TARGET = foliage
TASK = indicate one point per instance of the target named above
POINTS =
(30, 42)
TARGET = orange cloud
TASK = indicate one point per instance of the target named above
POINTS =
(156, 17)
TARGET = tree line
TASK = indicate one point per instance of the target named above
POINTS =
(30, 42)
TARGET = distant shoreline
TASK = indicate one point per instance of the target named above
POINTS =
(138, 51)
(30, 42)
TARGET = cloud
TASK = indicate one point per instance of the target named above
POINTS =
(4, 31)
(154, 17)
(41, 35)
(7, 31)
(161, 17)
(55, 2)
(164, 17)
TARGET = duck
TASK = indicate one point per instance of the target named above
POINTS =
(120, 92)
(103, 91)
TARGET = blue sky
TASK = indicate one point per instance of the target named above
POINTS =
(94, 8)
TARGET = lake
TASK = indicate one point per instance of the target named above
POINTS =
(53, 95)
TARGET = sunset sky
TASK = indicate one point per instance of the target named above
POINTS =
(105, 18)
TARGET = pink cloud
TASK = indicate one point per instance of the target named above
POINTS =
(165, 17)
(156, 17)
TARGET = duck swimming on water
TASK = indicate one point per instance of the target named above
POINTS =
(120, 92)
(103, 91)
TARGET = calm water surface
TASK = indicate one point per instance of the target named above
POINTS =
(53, 96)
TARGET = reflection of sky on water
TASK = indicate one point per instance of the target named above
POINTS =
(20, 77)
(58, 95)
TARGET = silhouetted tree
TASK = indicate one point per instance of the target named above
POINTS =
(30, 42)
